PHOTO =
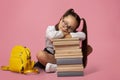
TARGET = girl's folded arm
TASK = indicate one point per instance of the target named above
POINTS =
(80, 35)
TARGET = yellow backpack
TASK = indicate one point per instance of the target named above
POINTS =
(20, 61)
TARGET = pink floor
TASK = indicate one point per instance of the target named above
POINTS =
(24, 22)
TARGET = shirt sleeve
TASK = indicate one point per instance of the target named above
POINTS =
(80, 35)
(51, 33)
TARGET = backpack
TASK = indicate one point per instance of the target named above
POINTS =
(20, 60)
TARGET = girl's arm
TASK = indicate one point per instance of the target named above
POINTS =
(80, 35)
(51, 33)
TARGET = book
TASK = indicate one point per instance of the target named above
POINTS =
(66, 39)
(66, 43)
(70, 67)
(69, 42)
(68, 51)
(64, 47)
(70, 73)
(70, 70)
(60, 61)
(72, 53)
(69, 56)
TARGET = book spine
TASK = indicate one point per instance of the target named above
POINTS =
(68, 54)
(68, 51)
(60, 61)
(67, 47)
(62, 43)
(66, 39)
(71, 67)
(70, 73)
(68, 57)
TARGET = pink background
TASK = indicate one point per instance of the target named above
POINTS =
(24, 22)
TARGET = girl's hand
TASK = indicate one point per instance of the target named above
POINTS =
(64, 30)
(68, 36)
(65, 33)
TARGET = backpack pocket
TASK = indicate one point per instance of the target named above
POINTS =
(16, 65)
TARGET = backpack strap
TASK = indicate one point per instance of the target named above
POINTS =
(5, 68)
(32, 71)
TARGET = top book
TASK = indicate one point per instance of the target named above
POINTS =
(66, 41)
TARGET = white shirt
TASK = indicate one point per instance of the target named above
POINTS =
(51, 33)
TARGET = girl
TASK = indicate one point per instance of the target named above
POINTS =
(66, 28)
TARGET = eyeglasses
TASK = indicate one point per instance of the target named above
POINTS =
(65, 25)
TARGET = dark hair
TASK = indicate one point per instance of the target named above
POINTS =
(84, 43)
(71, 12)
(74, 14)
(84, 29)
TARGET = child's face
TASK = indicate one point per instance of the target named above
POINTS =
(68, 24)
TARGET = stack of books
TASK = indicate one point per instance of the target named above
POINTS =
(68, 55)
